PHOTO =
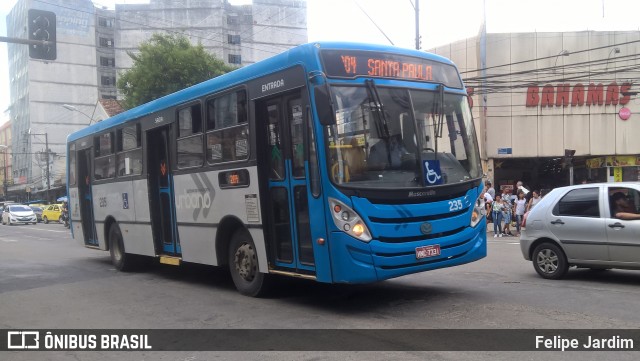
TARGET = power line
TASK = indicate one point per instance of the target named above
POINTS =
(552, 56)
(579, 65)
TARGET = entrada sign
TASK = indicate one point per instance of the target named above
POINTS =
(564, 95)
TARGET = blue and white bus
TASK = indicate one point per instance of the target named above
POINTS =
(336, 162)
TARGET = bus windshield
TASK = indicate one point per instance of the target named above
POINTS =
(383, 135)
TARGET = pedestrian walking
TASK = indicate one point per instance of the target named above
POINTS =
(496, 210)
(535, 198)
(520, 206)
(507, 211)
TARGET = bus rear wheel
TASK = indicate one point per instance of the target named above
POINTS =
(243, 265)
(120, 259)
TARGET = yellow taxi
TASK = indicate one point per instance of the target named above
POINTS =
(51, 213)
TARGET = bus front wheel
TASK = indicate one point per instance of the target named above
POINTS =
(120, 259)
(243, 265)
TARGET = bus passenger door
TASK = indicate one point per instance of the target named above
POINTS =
(161, 200)
(288, 221)
(85, 197)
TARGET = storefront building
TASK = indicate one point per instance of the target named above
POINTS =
(554, 108)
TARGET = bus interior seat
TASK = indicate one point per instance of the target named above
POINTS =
(354, 157)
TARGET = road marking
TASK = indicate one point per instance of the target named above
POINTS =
(9, 240)
(47, 230)
(503, 242)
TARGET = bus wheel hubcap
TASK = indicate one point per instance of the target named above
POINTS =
(246, 262)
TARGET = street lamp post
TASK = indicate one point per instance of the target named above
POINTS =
(5, 184)
(561, 53)
(613, 51)
(46, 147)
(74, 109)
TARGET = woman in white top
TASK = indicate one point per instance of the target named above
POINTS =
(534, 200)
(520, 204)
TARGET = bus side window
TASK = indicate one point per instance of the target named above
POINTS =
(227, 128)
(104, 160)
(190, 145)
(129, 157)
(72, 165)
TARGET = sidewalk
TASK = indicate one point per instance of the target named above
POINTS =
(490, 232)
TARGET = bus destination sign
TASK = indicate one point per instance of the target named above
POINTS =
(352, 64)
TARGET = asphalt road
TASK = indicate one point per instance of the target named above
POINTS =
(47, 280)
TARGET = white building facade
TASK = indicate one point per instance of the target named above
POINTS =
(239, 35)
(51, 99)
(39, 89)
(538, 97)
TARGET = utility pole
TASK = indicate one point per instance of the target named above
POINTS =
(5, 184)
(46, 146)
(417, 8)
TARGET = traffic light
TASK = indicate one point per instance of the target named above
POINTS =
(42, 26)
(568, 157)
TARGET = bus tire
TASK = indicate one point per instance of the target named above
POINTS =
(121, 260)
(243, 265)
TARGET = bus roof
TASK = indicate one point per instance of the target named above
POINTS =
(281, 61)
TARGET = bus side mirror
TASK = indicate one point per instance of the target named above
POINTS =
(324, 107)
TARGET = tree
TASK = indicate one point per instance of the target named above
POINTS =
(165, 64)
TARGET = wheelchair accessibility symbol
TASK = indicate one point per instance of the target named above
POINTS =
(432, 172)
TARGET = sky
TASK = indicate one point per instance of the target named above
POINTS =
(441, 22)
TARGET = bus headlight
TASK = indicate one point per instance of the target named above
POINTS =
(476, 216)
(347, 220)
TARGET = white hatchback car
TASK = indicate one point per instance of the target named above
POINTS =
(589, 225)
(17, 213)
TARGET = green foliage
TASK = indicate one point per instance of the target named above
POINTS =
(165, 64)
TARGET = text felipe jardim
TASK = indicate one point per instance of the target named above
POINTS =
(588, 343)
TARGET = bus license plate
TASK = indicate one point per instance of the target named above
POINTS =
(427, 251)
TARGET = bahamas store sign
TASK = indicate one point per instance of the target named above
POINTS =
(579, 94)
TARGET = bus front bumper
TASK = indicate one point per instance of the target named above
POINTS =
(354, 261)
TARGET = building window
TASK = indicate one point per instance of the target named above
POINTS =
(235, 59)
(247, 19)
(233, 39)
(104, 61)
(232, 20)
(107, 43)
(108, 80)
(105, 22)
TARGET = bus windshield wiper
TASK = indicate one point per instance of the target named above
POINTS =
(378, 107)
(438, 108)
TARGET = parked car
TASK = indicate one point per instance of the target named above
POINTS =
(51, 213)
(18, 213)
(593, 226)
(37, 211)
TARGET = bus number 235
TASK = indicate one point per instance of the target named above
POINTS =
(455, 205)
